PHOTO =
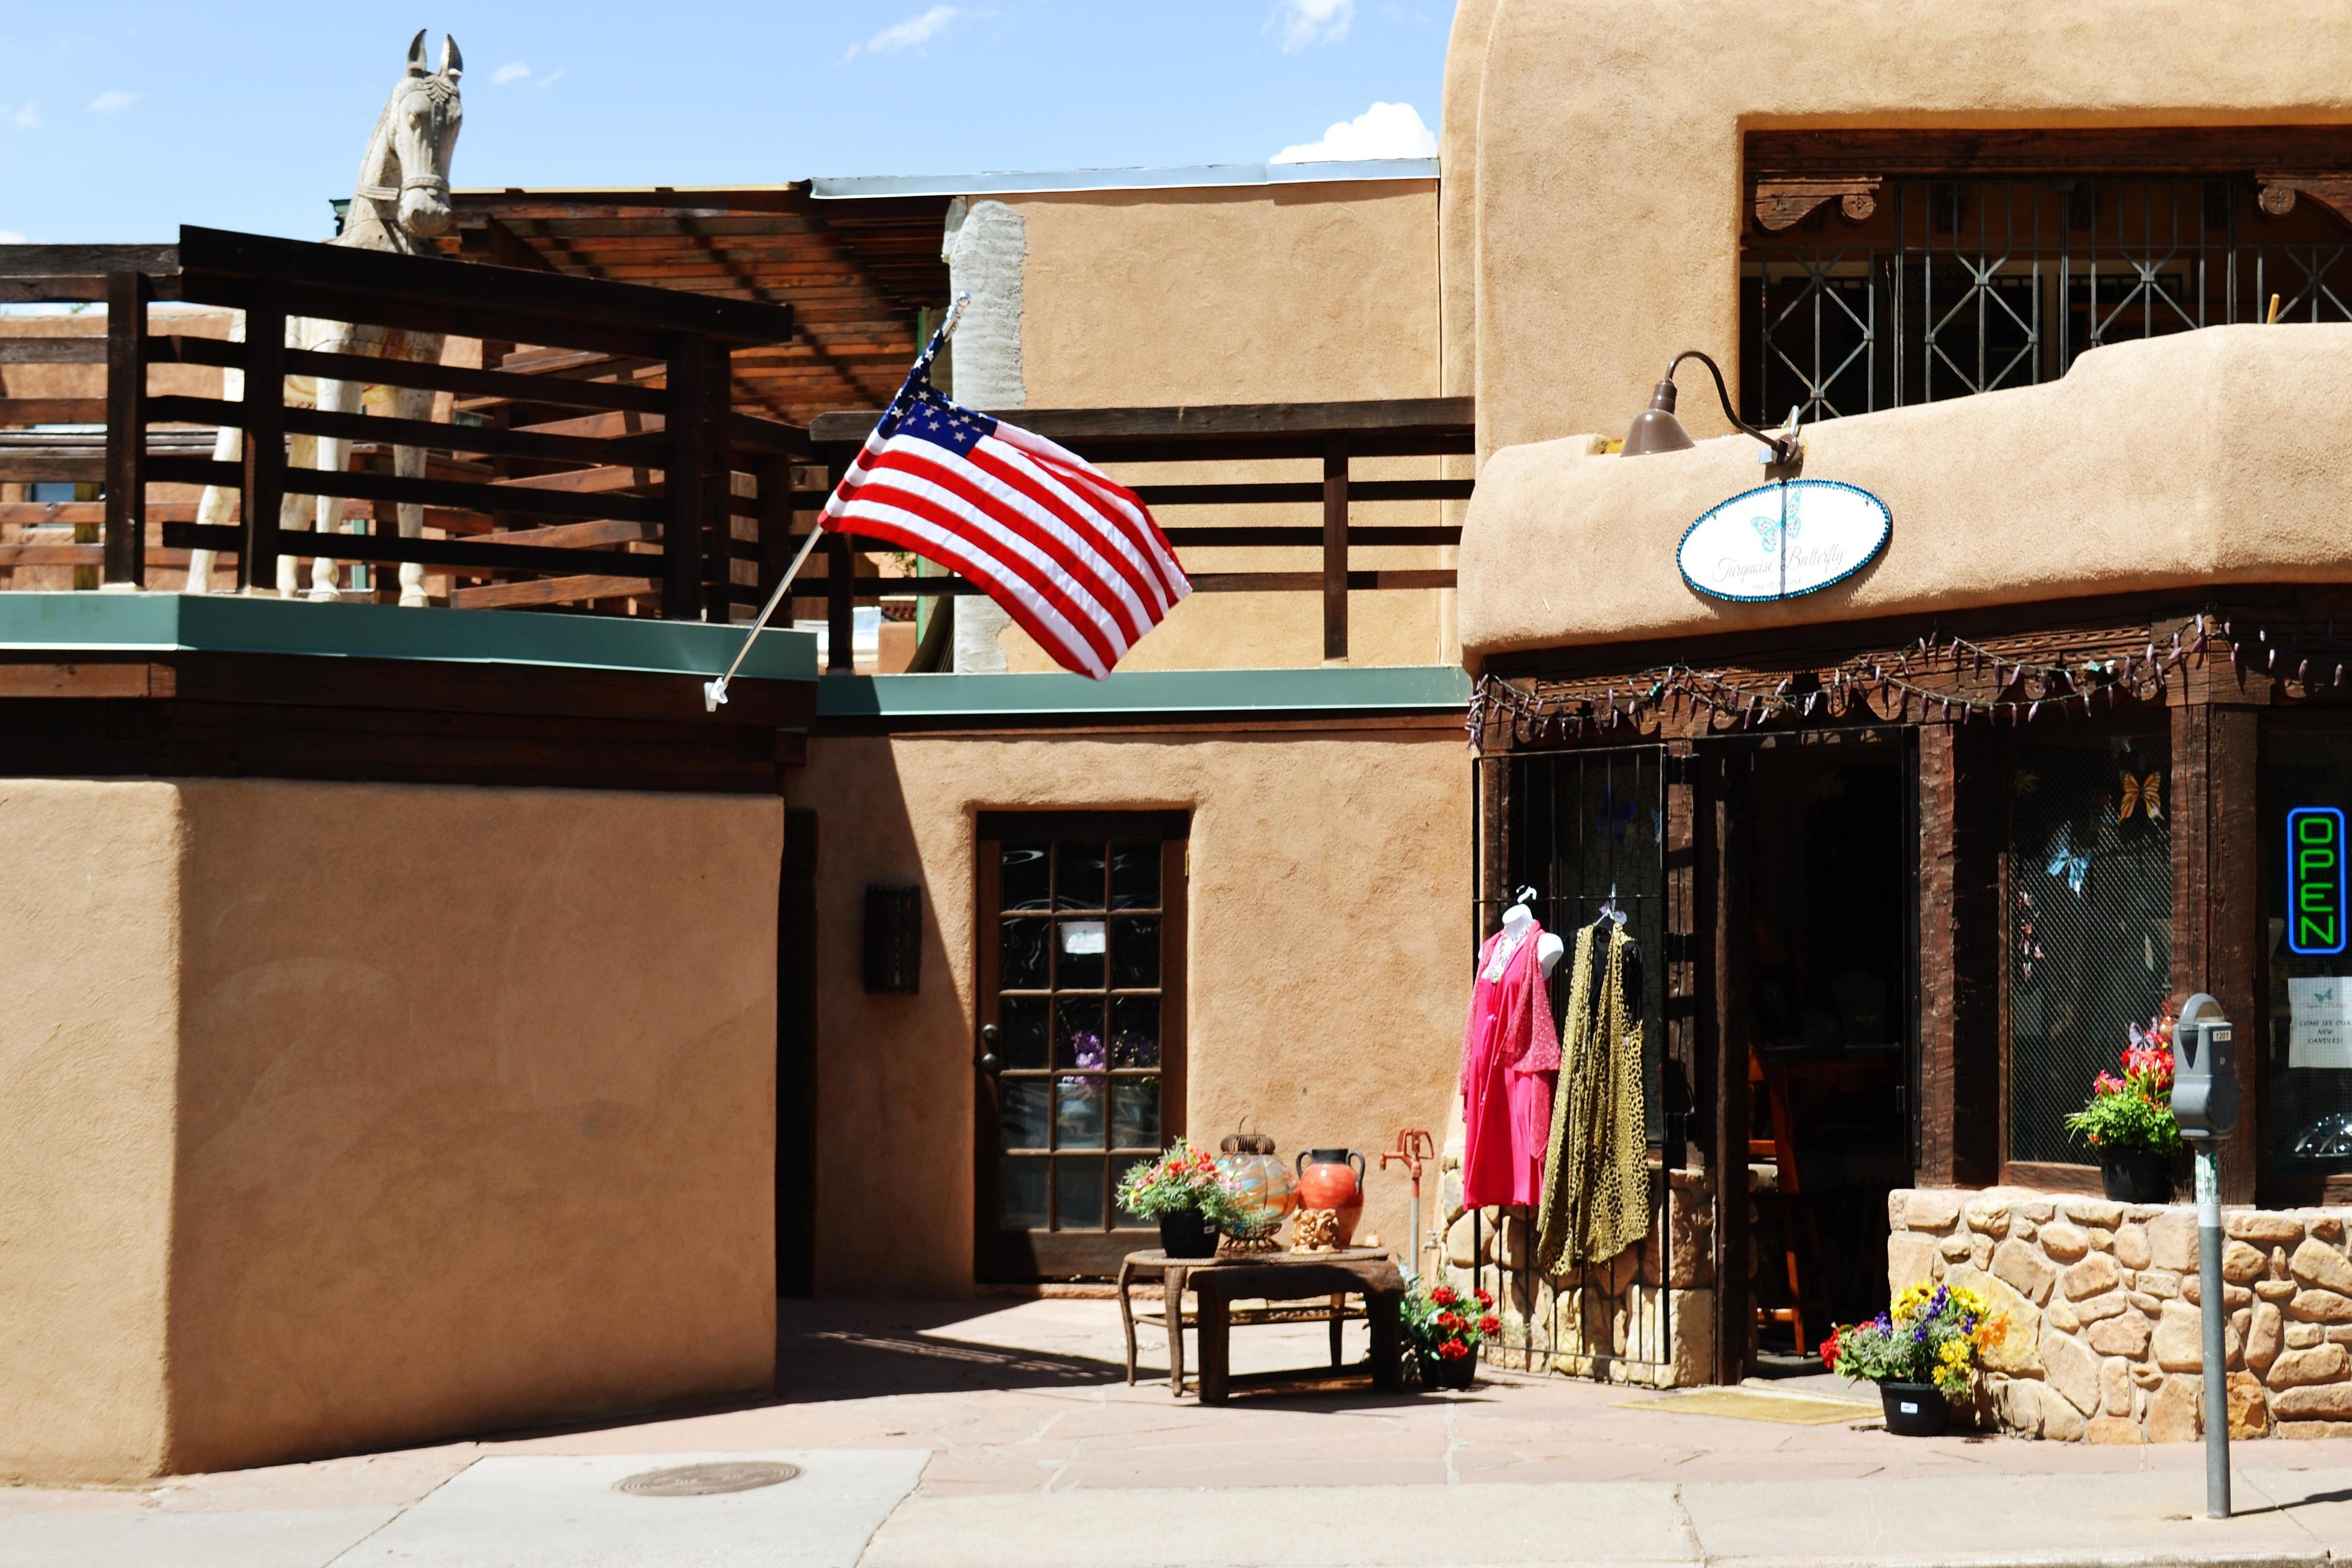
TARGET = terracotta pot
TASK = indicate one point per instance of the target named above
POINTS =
(1333, 1179)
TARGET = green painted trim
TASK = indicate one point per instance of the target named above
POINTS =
(171, 622)
(1330, 689)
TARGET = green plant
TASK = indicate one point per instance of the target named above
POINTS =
(2133, 1114)
(1439, 1325)
(1931, 1334)
(1185, 1180)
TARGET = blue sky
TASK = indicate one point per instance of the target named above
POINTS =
(122, 122)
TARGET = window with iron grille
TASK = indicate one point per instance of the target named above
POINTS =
(1955, 287)
(2089, 923)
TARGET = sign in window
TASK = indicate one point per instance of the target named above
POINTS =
(2314, 880)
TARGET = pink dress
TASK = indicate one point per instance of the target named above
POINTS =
(1510, 1057)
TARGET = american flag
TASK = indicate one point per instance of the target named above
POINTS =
(1072, 556)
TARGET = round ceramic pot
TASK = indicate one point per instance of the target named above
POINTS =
(1457, 1374)
(1333, 1179)
(1915, 1409)
(1188, 1235)
(2136, 1178)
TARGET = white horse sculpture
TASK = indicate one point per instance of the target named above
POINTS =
(401, 201)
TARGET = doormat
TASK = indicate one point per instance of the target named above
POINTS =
(1756, 1404)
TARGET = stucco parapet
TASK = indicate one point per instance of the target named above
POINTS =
(1331, 689)
(2201, 459)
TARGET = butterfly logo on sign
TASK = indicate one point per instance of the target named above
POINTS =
(1769, 532)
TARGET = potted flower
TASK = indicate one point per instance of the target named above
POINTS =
(1443, 1333)
(2129, 1124)
(1186, 1192)
(1922, 1351)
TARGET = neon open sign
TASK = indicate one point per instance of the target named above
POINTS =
(2314, 880)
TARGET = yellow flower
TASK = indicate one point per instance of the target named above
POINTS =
(1968, 1301)
(1955, 1353)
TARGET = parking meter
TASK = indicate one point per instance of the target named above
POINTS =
(2205, 1103)
(2204, 1071)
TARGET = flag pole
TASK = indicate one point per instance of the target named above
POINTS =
(714, 692)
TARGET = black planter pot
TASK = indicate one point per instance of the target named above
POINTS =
(1457, 1374)
(1187, 1236)
(1915, 1409)
(2134, 1177)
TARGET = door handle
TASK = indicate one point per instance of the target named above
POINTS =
(989, 1061)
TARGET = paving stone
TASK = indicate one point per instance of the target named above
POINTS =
(2065, 1242)
(2175, 1413)
(2269, 1229)
(2320, 1363)
(2092, 1276)
(2321, 1267)
(2125, 1336)
(2131, 1246)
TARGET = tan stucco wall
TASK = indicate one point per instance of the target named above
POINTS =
(1608, 208)
(2205, 458)
(89, 975)
(1328, 958)
(1307, 292)
(474, 1121)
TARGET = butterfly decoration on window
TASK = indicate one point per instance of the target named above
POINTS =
(2140, 793)
(1613, 818)
(1768, 531)
(2069, 862)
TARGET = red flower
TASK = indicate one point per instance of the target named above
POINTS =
(1830, 1352)
(1443, 1296)
(1490, 1324)
(1485, 1300)
(1448, 1321)
(1454, 1349)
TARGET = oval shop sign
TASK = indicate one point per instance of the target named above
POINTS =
(1781, 541)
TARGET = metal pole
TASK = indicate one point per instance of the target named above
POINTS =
(2214, 1310)
(714, 692)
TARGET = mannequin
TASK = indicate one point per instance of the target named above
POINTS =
(1516, 921)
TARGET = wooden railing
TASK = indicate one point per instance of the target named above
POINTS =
(1335, 435)
(594, 457)
(603, 445)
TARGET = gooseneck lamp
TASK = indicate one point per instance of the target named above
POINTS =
(1655, 428)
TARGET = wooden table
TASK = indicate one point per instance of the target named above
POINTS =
(1273, 1277)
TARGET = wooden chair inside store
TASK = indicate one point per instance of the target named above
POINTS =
(1788, 1236)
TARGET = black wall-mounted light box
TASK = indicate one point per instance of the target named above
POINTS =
(894, 940)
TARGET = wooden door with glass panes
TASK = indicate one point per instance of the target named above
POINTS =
(1081, 1056)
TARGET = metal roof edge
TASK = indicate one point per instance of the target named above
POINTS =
(1169, 692)
(1199, 176)
(164, 623)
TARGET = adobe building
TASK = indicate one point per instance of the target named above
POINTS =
(336, 1182)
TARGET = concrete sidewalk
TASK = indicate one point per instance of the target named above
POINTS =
(974, 1433)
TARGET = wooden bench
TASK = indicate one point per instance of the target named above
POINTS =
(1270, 1288)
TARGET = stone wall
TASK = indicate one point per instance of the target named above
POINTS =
(1646, 1316)
(2105, 1341)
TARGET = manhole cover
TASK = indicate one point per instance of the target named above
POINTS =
(709, 1480)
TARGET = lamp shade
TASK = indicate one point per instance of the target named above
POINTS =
(1655, 428)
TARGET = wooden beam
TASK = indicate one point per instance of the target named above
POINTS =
(53, 410)
(1392, 416)
(551, 591)
(688, 435)
(1334, 550)
(52, 351)
(1960, 1113)
(126, 429)
(2216, 915)
(263, 490)
(1841, 150)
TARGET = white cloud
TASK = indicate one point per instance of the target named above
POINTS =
(1305, 23)
(1383, 130)
(552, 78)
(107, 102)
(916, 31)
(10, 236)
(513, 70)
(27, 118)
